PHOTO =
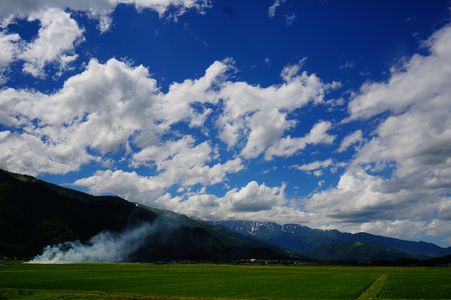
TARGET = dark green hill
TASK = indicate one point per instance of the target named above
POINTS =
(437, 261)
(34, 214)
(356, 252)
(333, 245)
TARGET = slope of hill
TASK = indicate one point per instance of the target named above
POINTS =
(35, 214)
(333, 244)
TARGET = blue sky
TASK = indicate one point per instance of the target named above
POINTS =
(332, 114)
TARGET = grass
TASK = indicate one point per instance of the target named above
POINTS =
(418, 283)
(373, 291)
(119, 281)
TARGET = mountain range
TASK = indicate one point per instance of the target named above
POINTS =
(35, 214)
(49, 223)
(334, 245)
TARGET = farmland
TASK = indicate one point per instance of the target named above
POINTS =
(77, 281)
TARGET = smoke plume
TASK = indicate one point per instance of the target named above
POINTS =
(106, 246)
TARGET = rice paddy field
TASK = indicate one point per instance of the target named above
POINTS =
(203, 281)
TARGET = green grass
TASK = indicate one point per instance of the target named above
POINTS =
(373, 291)
(119, 281)
(418, 283)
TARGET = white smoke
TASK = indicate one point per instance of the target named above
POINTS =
(106, 246)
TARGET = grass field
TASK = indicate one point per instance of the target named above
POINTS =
(120, 281)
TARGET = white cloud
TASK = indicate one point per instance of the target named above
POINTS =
(398, 180)
(273, 8)
(257, 116)
(350, 139)
(27, 153)
(182, 162)
(148, 190)
(416, 81)
(102, 108)
(9, 48)
(265, 129)
(251, 202)
(254, 197)
(290, 72)
(177, 101)
(99, 109)
(355, 191)
(318, 173)
(114, 105)
(288, 146)
(55, 42)
(128, 185)
(360, 202)
(101, 9)
(186, 168)
(316, 165)
(59, 34)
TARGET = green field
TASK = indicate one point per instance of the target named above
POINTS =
(119, 281)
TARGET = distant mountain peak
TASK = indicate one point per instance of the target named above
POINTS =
(333, 244)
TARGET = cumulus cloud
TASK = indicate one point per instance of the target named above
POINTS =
(254, 197)
(28, 153)
(253, 115)
(184, 163)
(10, 46)
(54, 45)
(178, 100)
(187, 168)
(101, 9)
(289, 72)
(397, 182)
(251, 202)
(316, 165)
(78, 116)
(59, 33)
(103, 108)
(128, 185)
(55, 42)
(360, 202)
(288, 146)
(410, 84)
(349, 140)
(113, 106)
(265, 129)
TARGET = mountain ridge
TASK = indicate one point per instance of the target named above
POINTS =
(35, 214)
(333, 244)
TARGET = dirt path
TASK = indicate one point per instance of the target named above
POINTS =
(373, 290)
